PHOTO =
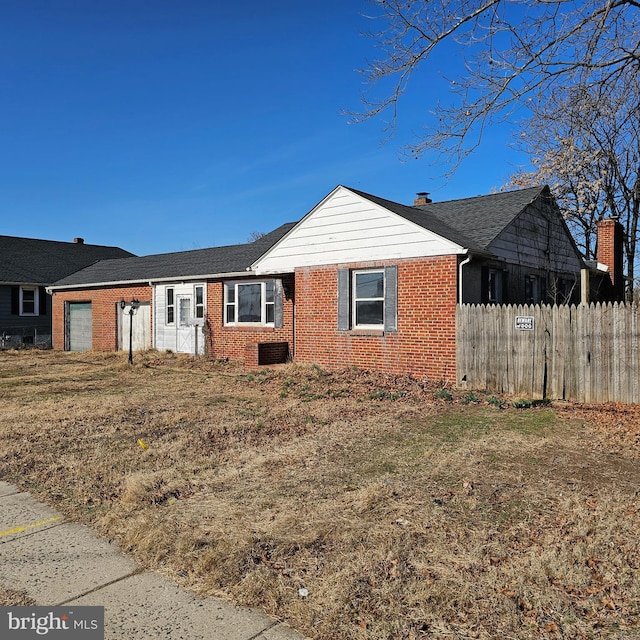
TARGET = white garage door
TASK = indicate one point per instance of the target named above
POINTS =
(80, 326)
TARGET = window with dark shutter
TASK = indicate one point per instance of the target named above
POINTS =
(278, 305)
(344, 299)
(391, 299)
(43, 301)
(15, 301)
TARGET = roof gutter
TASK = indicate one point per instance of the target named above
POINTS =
(150, 281)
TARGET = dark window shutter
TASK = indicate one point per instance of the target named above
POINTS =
(391, 298)
(484, 285)
(344, 299)
(42, 306)
(278, 319)
(15, 301)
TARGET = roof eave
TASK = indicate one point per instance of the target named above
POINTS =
(150, 281)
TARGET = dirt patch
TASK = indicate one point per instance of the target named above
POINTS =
(350, 504)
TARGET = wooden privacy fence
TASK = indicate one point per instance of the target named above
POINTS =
(580, 353)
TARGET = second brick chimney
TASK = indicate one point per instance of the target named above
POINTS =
(610, 247)
(422, 197)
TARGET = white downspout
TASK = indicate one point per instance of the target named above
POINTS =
(467, 260)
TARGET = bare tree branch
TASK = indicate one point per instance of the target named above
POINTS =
(515, 53)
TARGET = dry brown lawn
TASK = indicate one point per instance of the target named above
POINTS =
(350, 505)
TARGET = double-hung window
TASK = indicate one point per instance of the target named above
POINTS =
(28, 301)
(367, 299)
(171, 305)
(252, 303)
(199, 294)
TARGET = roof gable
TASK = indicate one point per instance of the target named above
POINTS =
(351, 226)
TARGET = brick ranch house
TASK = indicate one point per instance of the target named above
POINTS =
(358, 281)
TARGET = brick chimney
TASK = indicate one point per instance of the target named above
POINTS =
(610, 247)
(78, 240)
(422, 197)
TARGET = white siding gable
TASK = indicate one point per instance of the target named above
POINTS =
(346, 227)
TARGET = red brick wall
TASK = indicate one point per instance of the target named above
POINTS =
(424, 344)
(238, 343)
(104, 312)
(610, 252)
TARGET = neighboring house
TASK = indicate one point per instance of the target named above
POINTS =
(358, 281)
(27, 266)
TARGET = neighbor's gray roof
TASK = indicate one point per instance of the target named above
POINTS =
(41, 262)
(182, 264)
(472, 223)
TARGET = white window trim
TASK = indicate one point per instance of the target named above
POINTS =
(203, 306)
(354, 299)
(263, 304)
(167, 306)
(36, 301)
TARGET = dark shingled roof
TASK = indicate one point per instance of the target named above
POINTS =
(41, 262)
(472, 223)
(484, 217)
(183, 264)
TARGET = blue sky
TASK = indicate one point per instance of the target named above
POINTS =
(166, 125)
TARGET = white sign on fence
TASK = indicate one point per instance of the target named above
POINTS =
(524, 323)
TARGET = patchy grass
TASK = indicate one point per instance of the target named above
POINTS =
(402, 511)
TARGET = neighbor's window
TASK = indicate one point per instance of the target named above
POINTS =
(495, 286)
(171, 306)
(368, 299)
(28, 301)
(250, 303)
(199, 301)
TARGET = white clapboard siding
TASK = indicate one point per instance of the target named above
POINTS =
(172, 336)
(346, 227)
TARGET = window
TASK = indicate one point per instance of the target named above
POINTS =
(199, 293)
(367, 299)
(494, 286)
(29, 301)
(534, 289)
(256, 303)
(171, 307)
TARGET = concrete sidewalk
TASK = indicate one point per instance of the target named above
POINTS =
(61, 563)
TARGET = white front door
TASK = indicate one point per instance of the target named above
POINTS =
(185, 330)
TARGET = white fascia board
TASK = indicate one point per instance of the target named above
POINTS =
(151, 281)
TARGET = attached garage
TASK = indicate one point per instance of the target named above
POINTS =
(79, 326)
